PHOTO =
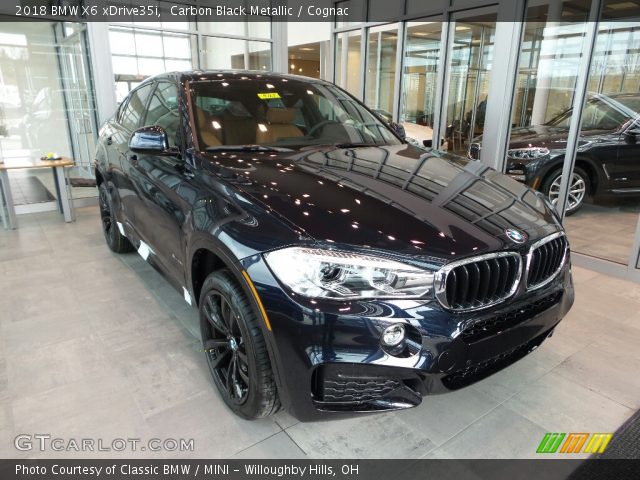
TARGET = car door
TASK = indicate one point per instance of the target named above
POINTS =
(164, 184)
(629, 156)
(128, 121)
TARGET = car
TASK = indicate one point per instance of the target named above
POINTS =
(336, 269)
(608, 148)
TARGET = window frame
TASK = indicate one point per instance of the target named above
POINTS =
(152, 85)
(156, 84)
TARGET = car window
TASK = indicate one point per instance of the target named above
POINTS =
(598, 114)
(120, 111)
(163, 111)
(134, 109)
(285, 113)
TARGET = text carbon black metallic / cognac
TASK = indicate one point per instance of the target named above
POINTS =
(335, 267)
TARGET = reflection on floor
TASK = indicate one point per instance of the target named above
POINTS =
(96, 345)
(36, 186)
(29, 189)
(606, 229)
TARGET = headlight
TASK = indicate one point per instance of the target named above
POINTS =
(530, 153)
(320, 273)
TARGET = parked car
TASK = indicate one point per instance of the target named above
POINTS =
(335, 268)
(607, 156)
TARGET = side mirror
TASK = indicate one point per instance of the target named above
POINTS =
(149, 140)
(399, 129)
(631, 136)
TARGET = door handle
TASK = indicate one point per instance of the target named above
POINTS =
(109, 140)
(133, 159)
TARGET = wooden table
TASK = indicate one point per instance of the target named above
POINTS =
(63, 188)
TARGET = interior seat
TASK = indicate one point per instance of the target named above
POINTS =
(238, 124)
(279, 124)
(206, 129)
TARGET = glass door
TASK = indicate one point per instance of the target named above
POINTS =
(603, 201)
(78, 96)
(470, 60)
(420, 78)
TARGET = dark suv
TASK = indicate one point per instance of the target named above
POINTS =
(607, 157)
(335, 267)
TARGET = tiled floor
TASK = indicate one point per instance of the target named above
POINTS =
(95, 345)
(605, 229)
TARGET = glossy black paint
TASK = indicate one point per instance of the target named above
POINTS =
(424, 207)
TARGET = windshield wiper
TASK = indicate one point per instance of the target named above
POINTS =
(246, 148)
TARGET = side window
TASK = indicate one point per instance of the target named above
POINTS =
(120, 111)
(134, 109)
(163, 111)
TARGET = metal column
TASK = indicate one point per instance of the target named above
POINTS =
(10, 221)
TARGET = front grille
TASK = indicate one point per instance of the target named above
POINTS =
(492, 325)
(474, 151)
(476, 372)
(545, 260)
(479, 282)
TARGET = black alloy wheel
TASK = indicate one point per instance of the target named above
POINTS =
(115, 240)
(235, 348)
(225, 347)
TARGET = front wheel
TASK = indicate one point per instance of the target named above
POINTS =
(115, 240)
(235, 349)
(578, 189)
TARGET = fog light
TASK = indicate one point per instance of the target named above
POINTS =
(393, 336)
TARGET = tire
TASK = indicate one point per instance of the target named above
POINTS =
(235, 348)
(115, 240)
(579, 188)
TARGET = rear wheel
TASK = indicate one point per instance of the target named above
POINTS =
(578, 189)
(115, 240)
(235, 348)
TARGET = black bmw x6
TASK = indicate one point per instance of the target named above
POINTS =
(335, 267)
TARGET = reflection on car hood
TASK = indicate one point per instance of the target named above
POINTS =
(394, 198)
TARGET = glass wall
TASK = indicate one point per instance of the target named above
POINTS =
(469, 77)
(607, 167)
(143, 49)
(420, 78)
(380, 70)
(137, 53)
(550, 57)
(348, 71)
(45, 82)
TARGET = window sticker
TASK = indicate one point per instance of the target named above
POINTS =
(268, 95)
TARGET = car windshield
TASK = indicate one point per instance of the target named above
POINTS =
(602, 113)
(284, 113)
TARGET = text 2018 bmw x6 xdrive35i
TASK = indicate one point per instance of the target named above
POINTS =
(335, 267)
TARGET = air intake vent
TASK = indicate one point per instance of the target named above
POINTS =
(545, 260)
(479, 282)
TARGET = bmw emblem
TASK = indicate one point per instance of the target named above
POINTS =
(515, 235)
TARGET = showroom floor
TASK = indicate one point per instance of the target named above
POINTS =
(95, 345)
(605, 229)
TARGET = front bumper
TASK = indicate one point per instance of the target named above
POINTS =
(328, 358)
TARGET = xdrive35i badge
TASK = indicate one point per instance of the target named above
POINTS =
(515, 235)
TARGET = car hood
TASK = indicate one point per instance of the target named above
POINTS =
(399, 199)
(548, 136)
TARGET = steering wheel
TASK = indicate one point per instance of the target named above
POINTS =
(320, 125)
